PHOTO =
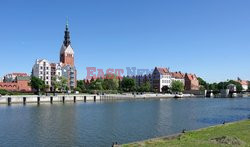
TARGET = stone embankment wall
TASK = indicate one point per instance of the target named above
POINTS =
(74, 98)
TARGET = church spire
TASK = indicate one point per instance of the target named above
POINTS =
(66, 41)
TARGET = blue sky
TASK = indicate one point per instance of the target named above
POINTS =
(210, 37)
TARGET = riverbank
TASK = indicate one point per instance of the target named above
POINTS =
(80, 97)
(229, 134)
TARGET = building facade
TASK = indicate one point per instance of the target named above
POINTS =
(42, 70)
(56, 71)
(16, 82)
(178, 76)
(161, 77)
(191, 82)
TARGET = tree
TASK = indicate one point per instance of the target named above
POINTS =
(63, 84)
(96, 85)
(146, 86)
(37, 84)
(213, 86)
(110, 84)
(177, 86)
(165, 89)
(55, 83)
(81, 87)
(238, 85)
(128, 84)
(203, 83)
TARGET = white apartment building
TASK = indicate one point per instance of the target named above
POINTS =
(42, 70)
(56, 70)
(161, 78)
(178, 76)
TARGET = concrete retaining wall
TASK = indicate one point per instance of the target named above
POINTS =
(74, 98)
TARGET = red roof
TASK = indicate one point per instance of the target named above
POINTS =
(191, 76)
(163, 71)
(243, 82)
(178, 75)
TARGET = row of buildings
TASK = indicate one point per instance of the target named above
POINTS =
(15, 82)
(49, 71)
(163, 77)
(45, 70)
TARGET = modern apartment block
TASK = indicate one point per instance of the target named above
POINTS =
(42, 70)
(56, 70)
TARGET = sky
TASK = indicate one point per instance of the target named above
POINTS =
(210, 38)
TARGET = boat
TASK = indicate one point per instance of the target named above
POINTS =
(178, 96)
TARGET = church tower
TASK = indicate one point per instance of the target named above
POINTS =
(67, 52)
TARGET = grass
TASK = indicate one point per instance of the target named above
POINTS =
(231, 134)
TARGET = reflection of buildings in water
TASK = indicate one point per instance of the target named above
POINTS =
(175, 115)
(54, 123)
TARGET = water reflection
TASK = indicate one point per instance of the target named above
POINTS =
(101, 123)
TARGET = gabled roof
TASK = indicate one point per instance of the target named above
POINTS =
(177, 75)
(191, 77)
(162, 70)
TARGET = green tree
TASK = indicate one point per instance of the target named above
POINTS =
(37, 84)
(213, 86)
(145, 87)
(203, 83)
(96, 85)
(63, 84)
(128, 84)
(110, 84)
(81, 87)
(55, 84)
(238, 85)
(177, 86)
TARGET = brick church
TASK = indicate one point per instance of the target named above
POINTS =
(47, 71)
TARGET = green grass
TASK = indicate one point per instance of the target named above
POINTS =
(231, 134)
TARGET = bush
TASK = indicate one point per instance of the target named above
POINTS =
(4, 92)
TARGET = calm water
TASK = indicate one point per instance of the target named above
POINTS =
(101, 123)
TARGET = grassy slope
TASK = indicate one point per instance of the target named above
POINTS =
(239, 131)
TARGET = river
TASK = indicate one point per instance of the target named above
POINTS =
(101, 123)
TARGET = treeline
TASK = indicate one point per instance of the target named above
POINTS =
(112, 85)
(218, 86)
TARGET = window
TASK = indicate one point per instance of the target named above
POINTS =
(47, 68)
(47, 78)
(47, 73)
(41, 72)
(47, 83)
(41, 67)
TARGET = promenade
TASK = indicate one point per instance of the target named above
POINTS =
(79, 97)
